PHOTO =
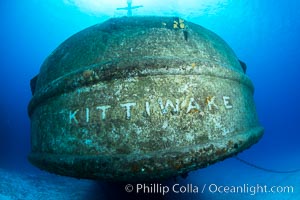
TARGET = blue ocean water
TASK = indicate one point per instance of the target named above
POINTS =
(264, 34)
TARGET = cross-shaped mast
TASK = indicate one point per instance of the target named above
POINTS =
(129, 7)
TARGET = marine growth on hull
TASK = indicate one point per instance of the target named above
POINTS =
(139, 99)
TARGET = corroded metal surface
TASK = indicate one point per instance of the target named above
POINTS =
(140, 98)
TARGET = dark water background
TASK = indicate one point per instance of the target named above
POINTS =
(264, 34)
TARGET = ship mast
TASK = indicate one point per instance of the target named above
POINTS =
(129, 7)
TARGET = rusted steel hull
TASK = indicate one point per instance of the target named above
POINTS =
(140, 98)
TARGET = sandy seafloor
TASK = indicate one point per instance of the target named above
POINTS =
(36, 184)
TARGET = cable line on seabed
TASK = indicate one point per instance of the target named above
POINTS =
(266, 169)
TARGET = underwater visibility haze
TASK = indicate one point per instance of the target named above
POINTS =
(264, 36)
